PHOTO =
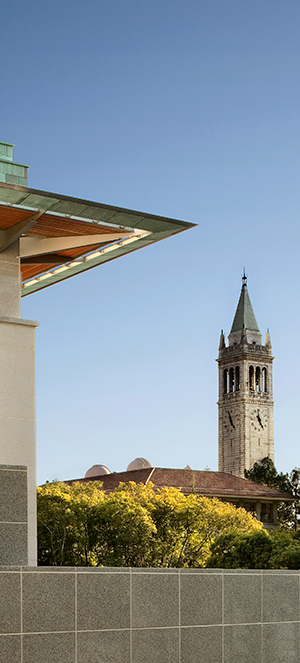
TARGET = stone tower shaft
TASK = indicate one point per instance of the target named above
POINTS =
(245, 400)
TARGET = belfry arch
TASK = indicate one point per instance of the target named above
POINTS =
(257, 379)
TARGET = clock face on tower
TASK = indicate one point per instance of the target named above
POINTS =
(231, 421)
(259, 420)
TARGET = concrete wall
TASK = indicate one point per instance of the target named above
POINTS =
(67, 615)
(17, 409)
(17, 388)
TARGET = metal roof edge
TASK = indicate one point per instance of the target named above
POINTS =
(13, 163)
(92, 203)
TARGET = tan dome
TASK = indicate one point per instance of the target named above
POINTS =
(138, 464)
(97, 471)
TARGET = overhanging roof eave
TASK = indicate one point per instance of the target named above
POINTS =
(22, 193)
(150, 229)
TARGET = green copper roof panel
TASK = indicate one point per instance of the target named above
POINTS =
(6, 151)
(10, 171)
(244, 315)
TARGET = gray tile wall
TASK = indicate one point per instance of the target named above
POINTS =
(88, 615)
(13, 516)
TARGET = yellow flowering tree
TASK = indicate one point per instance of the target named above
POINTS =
(133, 526)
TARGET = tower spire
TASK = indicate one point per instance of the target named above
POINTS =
(244, 279)
(244, 320)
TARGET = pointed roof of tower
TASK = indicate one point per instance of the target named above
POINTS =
(244, 316)
(222, 344)
(268, 343)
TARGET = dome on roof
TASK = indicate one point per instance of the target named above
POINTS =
(138, 464)
(96, 471)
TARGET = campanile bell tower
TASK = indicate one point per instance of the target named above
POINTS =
(245, 392)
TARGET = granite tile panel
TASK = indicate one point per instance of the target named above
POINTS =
(155, 645)
(13, 544)
(243, 644)
(10, 649)
(280, 643)
(103, 601)
(48, 602)
(10, 603)
(155, 600)
(103, 647)
(280, 597)
(201, 644)
(242, 599)
(13, 496)
(201, 599)
(49, 648)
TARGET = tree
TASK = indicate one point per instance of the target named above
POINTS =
(186, 526)
(133, 526)
(256, 550)
(121, 527)
(64, 522)
(266, 473)
(233, 550)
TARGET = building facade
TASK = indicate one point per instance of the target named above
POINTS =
(245, 392)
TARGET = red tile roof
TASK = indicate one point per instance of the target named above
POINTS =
(210, 484)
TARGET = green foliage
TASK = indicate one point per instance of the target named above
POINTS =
(133, 526)
(256, 550)
(63, 522)
(265, 473)
(233, 551)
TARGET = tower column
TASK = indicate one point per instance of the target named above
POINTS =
(17, 420)
(246, 409)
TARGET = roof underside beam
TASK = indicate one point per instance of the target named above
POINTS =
(49, 259)
(34, 246)
(10, 235)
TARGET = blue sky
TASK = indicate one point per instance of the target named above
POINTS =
(184, 109)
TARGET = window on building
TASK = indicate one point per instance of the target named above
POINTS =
(266, 515)
(237, 378)
(231, 380)
(251, 378)
(264, 380)
(225, 381)
(257, 379)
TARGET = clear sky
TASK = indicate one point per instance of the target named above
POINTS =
(184, 109)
